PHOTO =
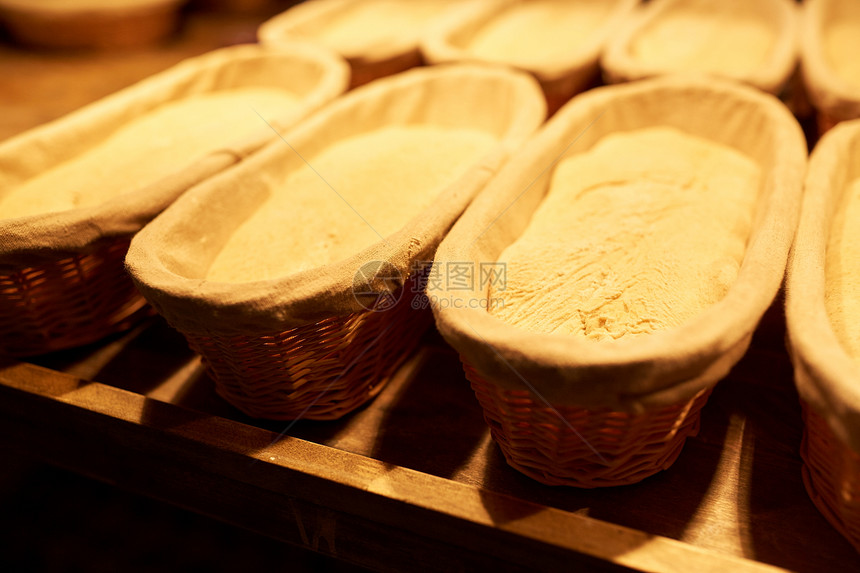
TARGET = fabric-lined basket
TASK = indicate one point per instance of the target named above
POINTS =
(827, 377)
(570, 411)
(62, 281)
(377, 37)
(90, 23)
(670, 22)
(834, 97)
(318, 342)
(562, 73)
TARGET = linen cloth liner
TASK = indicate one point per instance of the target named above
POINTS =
(829, 93)
(827, 377)
(772, 76)
(312, 73)
(380, 59)
(169, 258)
(669, 366)
(568, 73)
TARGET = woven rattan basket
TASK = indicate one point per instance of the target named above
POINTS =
(827, 377)
(103, 24)
(62, 276)
(304, 345)
(560, 73)
(386, 45)
(568, 411)
(321, 370)
(832, 96)
(621, 62)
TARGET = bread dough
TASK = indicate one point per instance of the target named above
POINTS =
(725, 38)
(364, 185)
(149, 148)
(842, 275)
(530, 33)
(638, 234)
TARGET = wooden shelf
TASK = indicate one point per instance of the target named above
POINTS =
(412, 481)
(414, 475)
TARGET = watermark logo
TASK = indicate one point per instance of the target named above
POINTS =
(376, 285)
(437, 279)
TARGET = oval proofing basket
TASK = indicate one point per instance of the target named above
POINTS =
(568, 411)
(62, 276)
(320, 342)
(384, 44)
(561, 74)
(620, 62)
(833, 97)
(827, 377)
(93, 24)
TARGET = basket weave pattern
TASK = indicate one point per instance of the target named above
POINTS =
(67, 302)
(318, 371)
(831, 474)
(598, 448)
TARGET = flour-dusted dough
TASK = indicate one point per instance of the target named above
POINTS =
(353, 193)
(641, 233)
(706, 36)
(528, 33)
(148, 149)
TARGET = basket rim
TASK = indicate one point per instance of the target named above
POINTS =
(27, 240)
(771, 76)
(624, 373)
(437, 45)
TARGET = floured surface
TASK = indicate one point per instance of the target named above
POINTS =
(639, 234)
(842, 48)
(710, 37)
(360, 189)
(149, 148)
(842, 286)
(530, 33)
(370, 24)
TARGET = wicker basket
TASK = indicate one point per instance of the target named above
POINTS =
(561, 75)
(90, 23)
(67, 302)
(569, 445)
(306, 345)
(319, 371)
(831, 474)
(62, 275)
(774, 73)
(567, 411)
(827, 377)
(385, 49)
(832, 96)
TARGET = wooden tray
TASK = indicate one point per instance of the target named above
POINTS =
(413, 481)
